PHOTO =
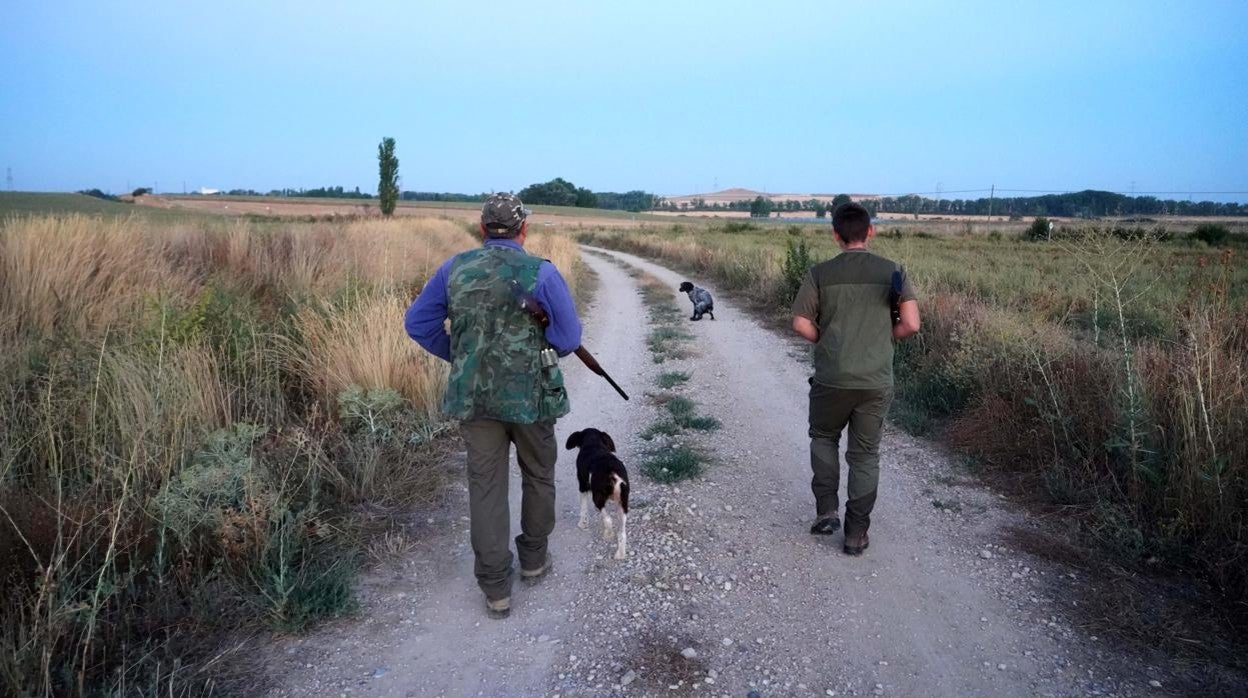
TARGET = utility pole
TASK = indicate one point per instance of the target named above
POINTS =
(938, 197)
(991, 195)
(8, 178)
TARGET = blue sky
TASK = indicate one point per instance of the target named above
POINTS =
(671, 97)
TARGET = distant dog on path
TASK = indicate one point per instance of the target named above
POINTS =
(602, 476)
(701, 299)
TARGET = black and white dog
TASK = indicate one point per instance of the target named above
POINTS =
(601, 475)
(701, 299)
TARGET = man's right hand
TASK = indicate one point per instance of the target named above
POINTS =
(909, 323)
(806, 327)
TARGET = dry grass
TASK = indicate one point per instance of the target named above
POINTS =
(358, 343)
(562, 251)
(180, 448)
(75, 273)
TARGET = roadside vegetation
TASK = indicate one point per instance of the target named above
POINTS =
(208, 427)
(669, 460)
(1104, 371)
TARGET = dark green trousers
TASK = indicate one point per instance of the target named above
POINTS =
(863, 412)
(489, 445)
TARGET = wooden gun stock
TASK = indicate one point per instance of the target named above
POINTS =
(530, 305)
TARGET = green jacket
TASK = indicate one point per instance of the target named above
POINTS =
(847, 299)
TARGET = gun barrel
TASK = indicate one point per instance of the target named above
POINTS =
(592, 364)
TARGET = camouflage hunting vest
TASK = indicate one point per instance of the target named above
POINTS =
(496, 370)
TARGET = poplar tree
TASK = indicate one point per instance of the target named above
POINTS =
(388, 166)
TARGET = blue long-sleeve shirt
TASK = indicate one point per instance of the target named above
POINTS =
(427, 314)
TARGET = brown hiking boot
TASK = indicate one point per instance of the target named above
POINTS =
(498, 608)
(856, 542)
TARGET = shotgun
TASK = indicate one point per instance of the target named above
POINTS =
(530, 305)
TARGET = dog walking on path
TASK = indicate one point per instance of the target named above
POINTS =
(601, 475)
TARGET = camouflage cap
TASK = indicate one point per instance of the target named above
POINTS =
(503, 211)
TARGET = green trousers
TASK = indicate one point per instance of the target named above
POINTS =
(863, 412)
(489, 444)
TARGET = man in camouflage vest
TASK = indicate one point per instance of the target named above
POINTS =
(499, 387)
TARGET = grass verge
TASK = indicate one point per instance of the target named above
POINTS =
(671, 379)
(672, 464)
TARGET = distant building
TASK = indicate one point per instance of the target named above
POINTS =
(205, 191)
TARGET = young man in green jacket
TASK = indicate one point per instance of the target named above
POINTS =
(843, 307)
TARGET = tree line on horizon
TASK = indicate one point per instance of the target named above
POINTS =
(560, 192)
(1088, 203)
(1083, 204)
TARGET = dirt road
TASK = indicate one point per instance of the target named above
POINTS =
(724, 590)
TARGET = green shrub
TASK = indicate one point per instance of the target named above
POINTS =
(1211, 234)
(369, 410)
(96, 193)
(1039, 229)
(665, 343)
(681, 408)
(684, 414)
(661, 428)
(672, 464)
(797, 263)
(742, 227)
(296, 580)
(222, 477)
(671, 379)
(701, 423)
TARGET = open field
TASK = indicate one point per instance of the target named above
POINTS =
(177, 207)
(42, 203)
(946, 224)
(543, 216)
(204, 424)
(1103, 376)
(728, 196)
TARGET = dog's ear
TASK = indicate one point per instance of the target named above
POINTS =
(606, 440)
(574, 441)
